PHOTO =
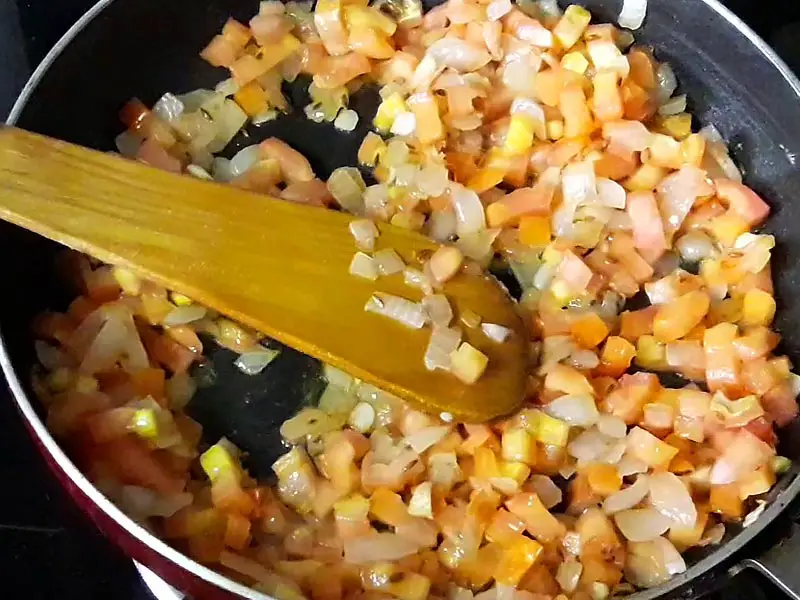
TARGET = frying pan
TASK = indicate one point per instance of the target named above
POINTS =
(126, 48)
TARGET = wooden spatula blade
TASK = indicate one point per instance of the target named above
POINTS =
(279, 267)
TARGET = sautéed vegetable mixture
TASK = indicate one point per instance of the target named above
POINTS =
(512, 133)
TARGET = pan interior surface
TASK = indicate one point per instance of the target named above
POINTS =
(143, 48)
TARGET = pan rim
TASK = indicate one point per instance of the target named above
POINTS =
(712, 562)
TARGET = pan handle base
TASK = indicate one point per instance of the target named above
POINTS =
(779, 564)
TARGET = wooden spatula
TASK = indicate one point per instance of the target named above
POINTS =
(278, 267)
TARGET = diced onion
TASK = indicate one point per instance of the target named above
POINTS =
(630, 465)
(496, 333)
(417, 279)
(669, 496)
(695, 246)
(405, 312)
(673, 106)
(568, 575)
(377, 547)
(673, 561)
(578, 410)
(612, 426)
(168, 108)
(667, 82)
(641, 524)
(425, 438)
(388, 262)
(347, 186)
(252, 363)
(404, 124)
(497, 9)
(470, 216)
(364, 266)
(628, 497)
(365, 233)
(458, 54)
(346, 120)
(632, 14)
(549, 493)
(589, 446)
(611, 193)
(244, 159)
(443, 342)
(362, 417)
(421, 503)
(438, 308)
(181, 315)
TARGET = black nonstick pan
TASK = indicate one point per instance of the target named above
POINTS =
(142, 48)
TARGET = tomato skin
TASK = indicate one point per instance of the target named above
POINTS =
(743, 201)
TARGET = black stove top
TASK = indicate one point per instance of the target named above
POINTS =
(48, 549)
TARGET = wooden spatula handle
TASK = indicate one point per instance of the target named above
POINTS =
(279, 267)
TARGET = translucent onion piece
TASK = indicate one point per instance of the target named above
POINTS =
(388, 262)
(438, 309)
(589, 446)
(143, 502)
(364, 266)
(673, 106)
(583, 359)
(168, 108)
(252, 363)
(420, 504)
(181, 315)
(346, 120)
(244, 159)
(49, 356)
(673, 561)
(128, 144)
(425, 438)
(641, 524)
(497, 9)
(644, 565)
(469, 212)
(578, 410)
(568, 575)
(417, 279)
(695, 246)
(671, 498)
(632, 14)
(667, 82)
(610, 193)
(578, 183)
(496, 333)
(549, 493)
(443, 342)
(365, 233)
(478, 246)
(347, 186)
(630, 465)
(199, 172)
(678, 192)
(628, 497)
(403, 311)
(612, 426)
(180, 389)
(404, 124)
(221, 169)
(376, 547)
(713, 536)
(458, 54)
(717, 150)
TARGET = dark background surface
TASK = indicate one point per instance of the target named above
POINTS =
(47, 548)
